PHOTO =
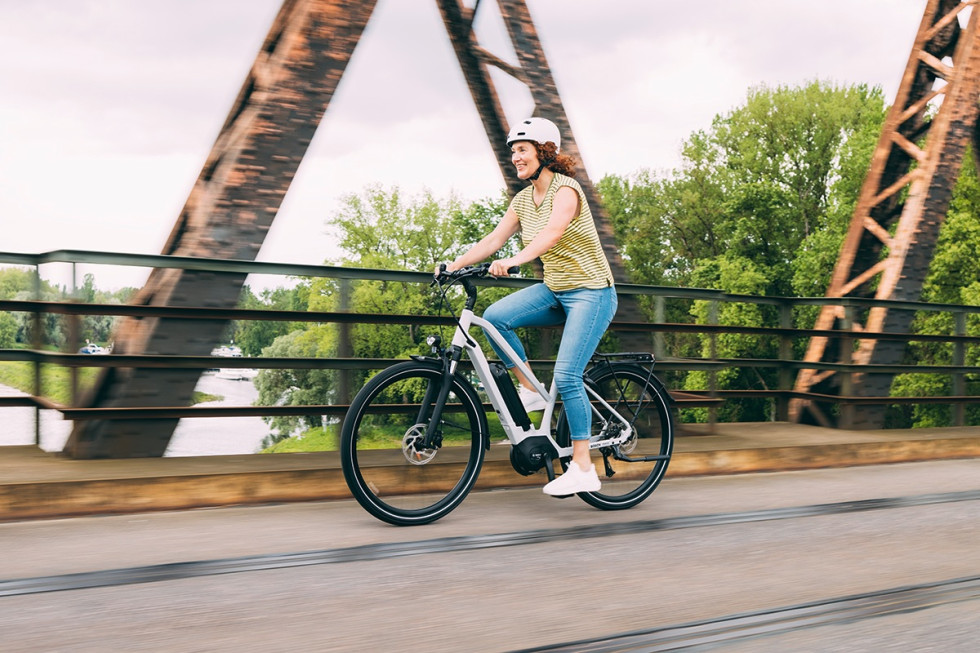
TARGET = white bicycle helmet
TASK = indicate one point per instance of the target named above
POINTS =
(538, 130)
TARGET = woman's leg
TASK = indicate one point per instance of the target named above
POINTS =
(532, 306)
(589, 313)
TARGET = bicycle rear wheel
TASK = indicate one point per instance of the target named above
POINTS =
(643, 401)
(387, 470)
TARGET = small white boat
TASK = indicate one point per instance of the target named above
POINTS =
(237, 373)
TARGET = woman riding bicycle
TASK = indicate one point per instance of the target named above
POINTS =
(556, 226)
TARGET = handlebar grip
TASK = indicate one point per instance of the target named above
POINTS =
(514, 269)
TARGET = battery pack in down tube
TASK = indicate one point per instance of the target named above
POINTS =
(507, 390)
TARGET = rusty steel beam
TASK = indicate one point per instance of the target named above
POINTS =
(903, 202)
(533, 71)
(458, 21)
(227, 216)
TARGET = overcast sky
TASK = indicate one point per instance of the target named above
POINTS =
(110, 107)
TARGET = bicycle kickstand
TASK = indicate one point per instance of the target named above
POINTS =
(610, 472)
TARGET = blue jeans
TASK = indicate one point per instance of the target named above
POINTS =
(585, 312)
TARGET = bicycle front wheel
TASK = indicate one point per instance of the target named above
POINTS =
(387, 468)
(630, 471)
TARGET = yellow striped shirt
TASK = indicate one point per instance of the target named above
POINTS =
(577, 259)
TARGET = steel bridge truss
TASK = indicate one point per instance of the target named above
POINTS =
(903, 202)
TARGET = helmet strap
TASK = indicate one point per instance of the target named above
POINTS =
(537, 173)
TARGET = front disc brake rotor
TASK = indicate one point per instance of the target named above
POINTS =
(413, 454)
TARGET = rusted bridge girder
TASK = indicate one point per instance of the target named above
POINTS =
(227, 216)
(249, 171)
(903, 202)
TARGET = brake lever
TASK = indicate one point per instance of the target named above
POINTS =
(437, 277)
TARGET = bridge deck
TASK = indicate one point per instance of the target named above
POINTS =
(35, 484)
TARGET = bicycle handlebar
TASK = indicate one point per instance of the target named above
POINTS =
(480, 270)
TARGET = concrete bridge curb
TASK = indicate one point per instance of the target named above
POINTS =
(39, 485)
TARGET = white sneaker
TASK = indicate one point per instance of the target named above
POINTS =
(573, 481)
(532, 400)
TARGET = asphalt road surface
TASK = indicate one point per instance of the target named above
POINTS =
(882, 558)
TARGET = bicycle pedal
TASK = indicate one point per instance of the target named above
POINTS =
(562, 496)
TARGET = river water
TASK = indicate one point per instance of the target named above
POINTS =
(200, 436)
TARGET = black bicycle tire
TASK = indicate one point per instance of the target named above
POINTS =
(348, 458)
(666, 409)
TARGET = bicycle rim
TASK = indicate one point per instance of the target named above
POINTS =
(387, 470)
(643, 401)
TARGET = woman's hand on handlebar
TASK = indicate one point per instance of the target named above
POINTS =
(503, 267)
(444, 268)
(448, 271)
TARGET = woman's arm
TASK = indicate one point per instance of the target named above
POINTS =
(564, 208)
(490, 244)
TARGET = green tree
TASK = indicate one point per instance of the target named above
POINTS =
(8, 331)
(252, 336)
(737, 275)
(759, 205)
(758, 184)
(18, 283)
(14, 281)
(99, 328)
(382, 230)
(289, 387)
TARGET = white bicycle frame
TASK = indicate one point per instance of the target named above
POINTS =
(516, 434)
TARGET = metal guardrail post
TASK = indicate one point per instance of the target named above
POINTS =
(36, 343)
(74, 338)
(847, 357)
(713, 355)
(345, 348)
(659, 316)
(786, 376)
(959, 378)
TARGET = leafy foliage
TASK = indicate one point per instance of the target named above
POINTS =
(297, 387)
(252, 336)
(763, 180)
(761, 205)
(8, 331)
(19, 284)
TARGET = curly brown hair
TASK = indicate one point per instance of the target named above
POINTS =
(555, 161)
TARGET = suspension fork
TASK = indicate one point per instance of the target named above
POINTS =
(454, 353)
(435, 396)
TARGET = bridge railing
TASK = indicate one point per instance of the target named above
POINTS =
(709, 397)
